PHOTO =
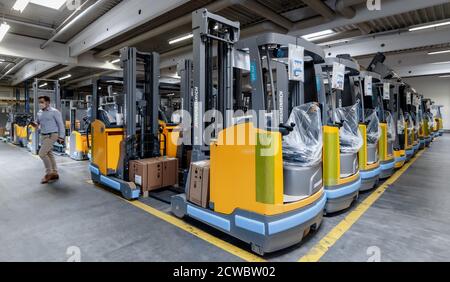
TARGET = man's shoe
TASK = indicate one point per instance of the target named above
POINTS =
(54, 176)
(46, 179)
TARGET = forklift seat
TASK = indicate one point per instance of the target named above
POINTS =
(349, 135)
(303, 146)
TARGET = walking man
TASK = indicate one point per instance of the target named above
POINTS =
(51, 124)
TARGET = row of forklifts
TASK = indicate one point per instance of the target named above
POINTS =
(271, 134)
(74, 113)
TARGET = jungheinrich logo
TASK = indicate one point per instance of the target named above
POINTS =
(281, 107)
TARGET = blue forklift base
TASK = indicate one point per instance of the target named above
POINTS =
(369, 178)
(422, 144)
(428, 141)
(127, 189)
(387, 169)
(400, 160)
(264, 233)
(341, 197)
(409, 154)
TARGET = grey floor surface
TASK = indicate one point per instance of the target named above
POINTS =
(410, 222)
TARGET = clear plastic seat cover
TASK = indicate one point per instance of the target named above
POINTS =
(409, 121)
(349, 135)
(429, 117)
(416, 122)
(390, 126)
(373, 126)
(303, 146)
(401, 123)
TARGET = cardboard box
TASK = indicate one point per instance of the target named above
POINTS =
(138, 172)
(2, 131)
(199, 183)
(154, 174)
(170, 172)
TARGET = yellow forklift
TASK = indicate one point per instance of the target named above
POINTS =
(439, 120)
(409, 137)
(77, 145)
(399, 122)
(370, 128)
(414, 113)
(392, 115)
(256, 193)
(427, 121)
(129, 129)
(19, 119)
(342, 136)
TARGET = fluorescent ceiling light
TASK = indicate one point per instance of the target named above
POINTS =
(182, 38)
(4, 27)
(43, 85)
(429, 26)
(441, 63)
(115, 61)
(66, 77)
(445, 76)
(52, 4)
(439, 52)
(318, 35)
(20, 5)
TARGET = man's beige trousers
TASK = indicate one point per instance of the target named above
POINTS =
(46, 152)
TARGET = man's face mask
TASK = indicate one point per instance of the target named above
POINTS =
(42, 105)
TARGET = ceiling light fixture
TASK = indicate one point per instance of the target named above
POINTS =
(445, 76)
(52, 4)
(4, 27)
(182, 38)
(441, 63)
(318, 35)
(429, 26)
(20, 5)
(114, 61)
(43, 85)
(65, 77)
(439, 52)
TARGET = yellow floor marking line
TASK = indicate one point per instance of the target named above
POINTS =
(321, 248)
(230, 248)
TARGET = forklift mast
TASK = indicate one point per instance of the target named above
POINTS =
(211, 33)
(141, 112)
(270, 51)
(146, 107)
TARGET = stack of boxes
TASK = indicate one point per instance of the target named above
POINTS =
(155, 173)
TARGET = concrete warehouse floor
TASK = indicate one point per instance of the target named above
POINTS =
(409, 222)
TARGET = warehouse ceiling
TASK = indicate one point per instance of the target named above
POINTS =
(83, 42)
